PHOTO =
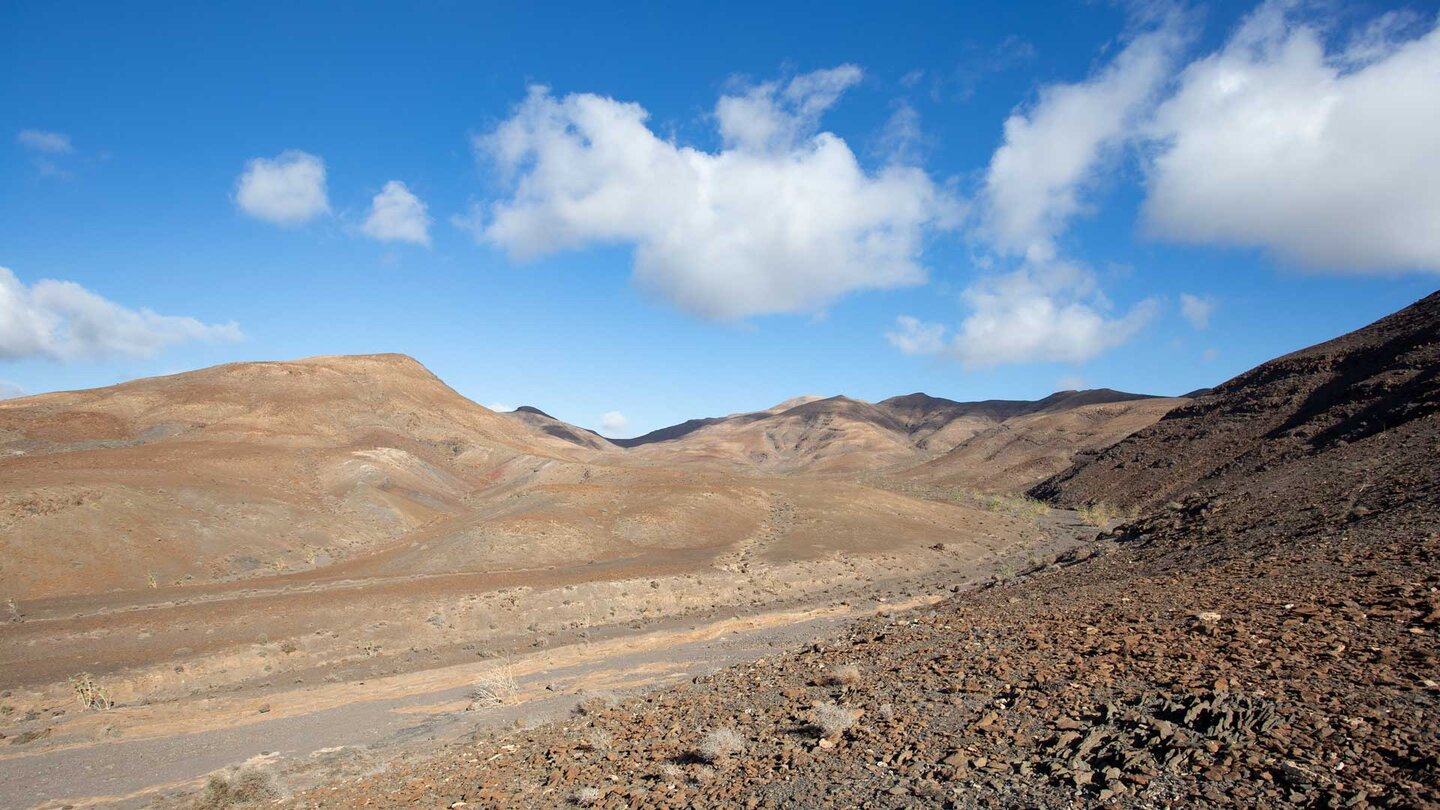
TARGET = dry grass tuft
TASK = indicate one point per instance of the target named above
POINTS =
(495, 686)
(719, 743)
(243, 786)
(1103, 515)
(587, 796)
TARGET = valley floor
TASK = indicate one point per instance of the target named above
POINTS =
(1302, 676)
(343, 669)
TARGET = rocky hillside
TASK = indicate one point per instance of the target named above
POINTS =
(1335, 435)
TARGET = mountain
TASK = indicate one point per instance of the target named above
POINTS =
(1041, 439)
(542, 422)
(241, 468)
(1015, 442)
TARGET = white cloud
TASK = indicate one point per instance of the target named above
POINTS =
(397, 215)
(9, 390)
(771, 117)
(1197, 309)
(286, 190)
(902, 139)
(1042, 314)
(1209, 354)
(1051, 151)
(914, 336)
(500, 407)
(782, 219)
(1046, 308)
(63, 321)
(1037, 314)
(1326, 157)
(54, 143)
(1070, 382)
(613, 422)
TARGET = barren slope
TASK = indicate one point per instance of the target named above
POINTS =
(1023, 441)
(237, 469)
(1012, 455)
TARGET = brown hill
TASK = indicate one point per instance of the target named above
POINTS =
(844, 435)
(239, 468)
(543, 422)
(1040, 441)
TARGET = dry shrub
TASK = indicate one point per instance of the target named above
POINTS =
(243, 786)
(720, 743)
(597, 739)
(587, 796)
(845, 675)
(830, 721)
(90, 693)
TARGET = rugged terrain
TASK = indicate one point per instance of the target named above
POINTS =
(1261, 633)
(276, 551)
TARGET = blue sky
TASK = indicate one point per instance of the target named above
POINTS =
(1034, 187)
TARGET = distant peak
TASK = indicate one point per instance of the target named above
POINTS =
(532, 409)
(795, 402)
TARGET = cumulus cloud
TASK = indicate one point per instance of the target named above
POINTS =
(62, 320)
(1043, 307)
(1051, 151)
(1326, 157)
(783, 218)
(53, 143)
(397, 215)
(1049, 313)
(1197, 309)
(613, 422)
(501, 407)
(286, 190)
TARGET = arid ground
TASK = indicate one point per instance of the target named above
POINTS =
(336, 582)
(322, 558)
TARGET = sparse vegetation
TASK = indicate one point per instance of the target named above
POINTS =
(90, 693)
(12, 610)
(495, 686)
(1017, 505)
(718, 744)
(844, 675)
(244, 786)
(597, 739)
(587, 796)
(830, 721)
(1106, 516)
(151, 580)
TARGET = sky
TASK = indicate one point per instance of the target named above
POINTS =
(629, 218)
